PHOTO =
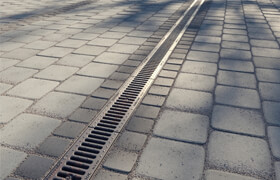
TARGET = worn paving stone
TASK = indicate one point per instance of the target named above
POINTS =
(147, 111)
(90, 50)
(221, 175)
(195, 82)
(80, 84)
(56, 52)
(241, 154)
(10, 160)
(53, 146)
(207, 39)
(71, 43)
(111, 58)
(199, 68)
(264, 62)
(56, 72)
(33, 88)
(37, 62)
(137, 33)
(94, 103)
(118, 76)
(40, 45)
(102, 42)
(277, 170)
(236, 54)
(9, 46)
(205, 47)
(235, 31)
(268, 75)
(104, 174)
(188, 100)
(153, 100)
(168, 74)
(203, 56)
(185, 127)
(131, 141)
(4, 87)
(11, 107)
(237, 79)
(163, 81)
(11, 75)
(141, 125)
(159, 90)
(76, 60)
(69, 129)
(132, 40)
(238, 120)
(83, 115)
(120, 160)
(5, 63)
(171, 67)
(180, 160)
(273, 136)
(271, 112)
(235, 45)
(123, 48)
(233, 37)
(241, 97)
(27, 125)
(51, 104)
(235, 65)
(112, 84)
(264, 43)
(269, 91)
(266, 52)
(103, 93)
(20, 53)
(113, 35)
(34, 167)
(98, 70)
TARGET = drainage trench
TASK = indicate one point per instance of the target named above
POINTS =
(86, 154)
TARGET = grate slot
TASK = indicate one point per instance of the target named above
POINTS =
(88, 150)
(104, 129)
(134, 88)
(120, 106)
(123, 103)
(83, 154)
(134, 95)
(106, 126)
(116, 112)
(79, 159)
(114, 115)
(132, 98)
(73, 170)
(111, 119)
(109, 122)
(116, 108)
(94, 141)
(67, 175)
(91, 145)
(78, 165)
(102, 134)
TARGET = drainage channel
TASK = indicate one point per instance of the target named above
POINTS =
(86, 154)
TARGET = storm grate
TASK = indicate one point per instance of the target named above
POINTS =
(84, 157)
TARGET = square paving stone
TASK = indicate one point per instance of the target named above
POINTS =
(147, 111)
(53, 146)
(199, 68)
(104, 174)
(33, 129)
(165, 159)
(236, 54)
(236, 65)
(103, 93)
(34, 167)
(153, 100)
(56, 72)
(120, 160)
(5, 63)
(90, 50)
(37, 62)
(131, 141)
(141, 125)
(69, 129)
(57, 104)
(71, 43)
(159, 90)
(33, 88)
(268, 75)
(20, 53)
(10, 160)
(271, 112)
(83, 115)
(11, 106)
(40, 45)
(277, 170)
(123, 48)
(163, 81)
(195, 82)
(220, 175)
(241, 97)
(80, 85)
(269, 91)
(237, 79)
(76, 60)
(94, 103)
(184, 126)
(238, 120)
(241, 154)
(56, 52)
(14, 75)
(274, 136)
(102, 42)
(112, 84)
(98, 70)
(168, 74)
(203, 56)
(111, 58)
(266, 52)
(188, 100)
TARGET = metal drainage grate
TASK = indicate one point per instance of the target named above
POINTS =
(84, 157)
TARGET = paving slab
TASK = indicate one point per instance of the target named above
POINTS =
(83, 115)
(98, 70)
(131, 141)
(266, 52)
(9, 46)
(102, 42)
(56, 52)
(75, 60)
(199, 67)
(5, 63)
(269, 91)
(147, 111)
(69, 129)
(203, 56)
(40, 45)
(94, 103)
(90, 50)
(236, 65)
(208, 39)
(11, 75)
(56, 72)
(265, 62)
(123, 48)
(71, 43)
(180, 160)
(111, 58)
(4, 87)
(271, 112)
(236, 54)
(37, 62)
(53, 146)
(141, 125)
(273, 136)
(221, 175)
(20, 53)
(268, 75)
(105, 174)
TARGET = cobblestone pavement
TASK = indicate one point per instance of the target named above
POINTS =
(213, 112)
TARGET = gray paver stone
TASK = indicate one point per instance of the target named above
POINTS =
(76, 60)
(153, 100)
(94, 103)
(220, 175)
(56, 72)
(20, 53)
(268, 75)
(102, 42)
(40, 45)
(112, 84)
(123, 48)
(205, 47)
(141, 125)
(90, 50)
(274, 136)
(264, 43)
(265, 62)
(208, 39)
(203, 56)
(233, 37)
(163, 81)
(53, 146)
(159, 90)
(98, 70)
(5, 63)
(269, 91)
(104, 174)
(4, 87)
(199, 68)
(69, 129)
(11, 75)
(235, 45)
(103, 93)
(56, 52)
(131, 141)
(71, 43)
(266, 52)
(235, 65)
(37, 62)
(147, 111)
(83, 115)
(168, 74)
(111, 58)
(236, 54)
(271, 112)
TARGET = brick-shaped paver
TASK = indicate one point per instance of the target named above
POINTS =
(233, 37)
(20, 53)
(98, 70)
(56, 72)
(132, 40)
(37, 62)
(113, 35)
(203, 56)
(180, 160)
(102, 42)
(103, 93)
(240, 154)
(76, 60)
(71, 43)
(69, 129)
(83, 115)
(90, 50)
(265, 62)
(273, 136)
(271, 112)
(94, 103)
(199, 67)
(236, 54)
(264, 43)
(141, 125)
(56, 52)
(153, 100)
(205, 47)
(185, 127)
(11, 106)
(159, 90)
(268, 75)
(14, 75)
(168, 74)
(235, 45)
(5, 63)
(269, 91)
(131, 141)
(53, 146)
(33, 88)
(195, 82)
(123, 48)
(207, 39)
(137, 33)
(10, 160)
(147, 111)
(120, 160)
(238, 120)
(40, 45)
(4, 87)
(80, 84)
(236, 79)
(34, 167)
(105, 174)
(33, 129)
(241, 97)
(111, 58)
(266, 52)
(234, 31)
(221, 175)
(236, 65)
(112, 84)
(277, 170)
(57, 104)
(9, 46)
(188, 100)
